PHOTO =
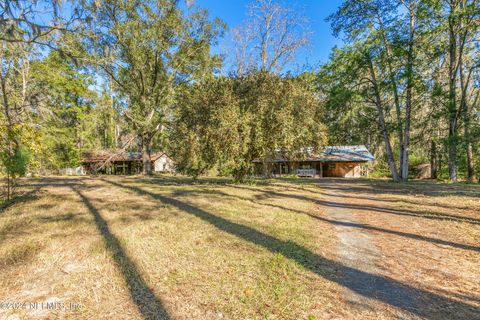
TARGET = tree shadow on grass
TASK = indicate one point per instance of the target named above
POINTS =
(398, 201)
(417, 301)
(401, 212)
(375, 192)
(145, 299)
(341, 223)
(381, 186)
(28, 196)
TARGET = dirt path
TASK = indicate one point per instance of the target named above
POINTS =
(355, 250)
(358, 252)
(404, 248)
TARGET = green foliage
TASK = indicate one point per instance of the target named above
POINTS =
(144, 69)
(70, 104)
(206, 126)
(15, 161)
(229, 122)
(406, 77)
(18, 146)
(147, 49)
(350, 120)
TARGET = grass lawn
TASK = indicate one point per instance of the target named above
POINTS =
(168, 248)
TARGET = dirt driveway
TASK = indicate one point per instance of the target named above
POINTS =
(426, 235)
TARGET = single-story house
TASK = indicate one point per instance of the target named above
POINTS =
(123, 162)
(332, 161)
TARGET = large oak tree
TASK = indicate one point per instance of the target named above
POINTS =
(147, 49)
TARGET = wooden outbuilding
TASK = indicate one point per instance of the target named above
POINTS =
(332, 161)
(124, 163)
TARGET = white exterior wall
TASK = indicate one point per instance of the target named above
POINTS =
(163, 164)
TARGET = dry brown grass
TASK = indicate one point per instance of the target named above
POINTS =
(134, 248)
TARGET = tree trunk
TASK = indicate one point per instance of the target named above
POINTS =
(452, 150)
(464, 105)
(383, 126)
(146, 151)
(388, 146)
(409, 94)
(439, 162)
(471, 176)
(433, 160)
(452, 104)
(266, 169)
(8, 186)
(396, 98)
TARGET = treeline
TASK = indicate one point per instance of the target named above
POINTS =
(142, 75)
(136, 75)
(409, 74)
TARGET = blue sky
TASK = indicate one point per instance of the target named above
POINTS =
(233, 13)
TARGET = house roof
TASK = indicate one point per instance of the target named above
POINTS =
(346, 153)
(358, 153)
(115, 155)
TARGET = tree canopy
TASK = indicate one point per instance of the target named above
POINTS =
(149, 75)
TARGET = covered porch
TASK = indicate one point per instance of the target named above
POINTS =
(333, 161)
(114, 167)
(319, 169)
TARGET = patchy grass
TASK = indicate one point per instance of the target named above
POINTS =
(10, 256)
(174, 248)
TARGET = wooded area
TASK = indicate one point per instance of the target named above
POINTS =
(142, 75)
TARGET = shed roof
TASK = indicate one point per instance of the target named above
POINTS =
(115, 155)
(358, 153)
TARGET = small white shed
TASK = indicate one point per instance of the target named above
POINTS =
(162, 163)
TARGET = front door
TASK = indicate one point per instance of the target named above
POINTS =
(329, 169)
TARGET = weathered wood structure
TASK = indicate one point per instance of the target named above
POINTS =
(333, 161)
(124, 163)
